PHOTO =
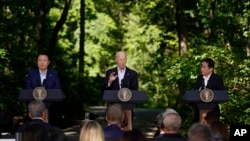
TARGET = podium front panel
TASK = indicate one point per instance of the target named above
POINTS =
(206, 106)
(112, 96)
(193, 96)
(52, 95)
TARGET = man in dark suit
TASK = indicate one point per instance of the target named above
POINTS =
(208, 79)
(37, 114)
(120, 76)
(42, 76)
(114, 117)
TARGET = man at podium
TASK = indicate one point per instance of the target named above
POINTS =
(121, 76)
(42, 76)
(208, 79)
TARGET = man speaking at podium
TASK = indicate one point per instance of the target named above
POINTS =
(208, 79)
(121, 77)
(42, 76)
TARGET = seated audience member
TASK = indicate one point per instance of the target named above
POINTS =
(37, 132)
(133, 135)
(91, 131)
(171, 126)
(159, 121)
(36, 109)
(114, 117)
(33, 132)
(211, 116)
(220, 131)
(199, 132)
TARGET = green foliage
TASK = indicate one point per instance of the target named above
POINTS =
(146, 30)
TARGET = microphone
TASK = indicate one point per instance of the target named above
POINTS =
(44, 82)
(208, 84)
(122, 83)
(202, 85)
(128, 80)
(38, 83)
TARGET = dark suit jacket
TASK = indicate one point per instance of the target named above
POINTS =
(169, 137)
(113, 131)
(215, 82)
(33, 80)
(130, 80)
(45, 125)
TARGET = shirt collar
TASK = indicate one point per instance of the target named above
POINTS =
(42, 73)
(207, 77)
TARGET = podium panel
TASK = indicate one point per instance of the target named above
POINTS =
(26, 95)
(111, 96)
(193, 96)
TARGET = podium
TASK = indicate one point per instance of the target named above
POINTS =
(26, 95)
(193, 96)
(111, 96)
(53, 95)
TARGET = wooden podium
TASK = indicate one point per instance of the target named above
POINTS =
(193, 96)
(111, 96)
(53, 95)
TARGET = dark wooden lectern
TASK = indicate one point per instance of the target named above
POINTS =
(193, 96)
(111, 96)
(53, 95)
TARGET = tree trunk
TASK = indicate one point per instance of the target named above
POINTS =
(59, 24)
(81, 51)
(41, 26)
(248, 40)
(211, 18)
(181, 27)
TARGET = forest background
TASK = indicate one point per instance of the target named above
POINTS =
(165, 41)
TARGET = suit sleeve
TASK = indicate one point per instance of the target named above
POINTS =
(105, 82)
(28, 83)
(57, 81)
(221, 85)
(198, 83)
(134, 82)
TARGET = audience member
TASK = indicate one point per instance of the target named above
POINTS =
(172, 124)
(220, 131)
(133, 135)
(114, 117)
(159, 121)
(211, 116)
(33, 132)
(200, 132)
(37, 132)
(36, 109)
(91, 131)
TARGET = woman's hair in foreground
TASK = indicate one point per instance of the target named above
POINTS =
(91, 131)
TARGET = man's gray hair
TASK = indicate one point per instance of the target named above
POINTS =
(200, 132)
(36, 108)
(172, 121)
(120, 52)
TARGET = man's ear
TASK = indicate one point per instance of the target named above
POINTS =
(106, 118)
(44, 114)
(30, 115)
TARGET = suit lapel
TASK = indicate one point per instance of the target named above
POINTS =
(38, 77)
